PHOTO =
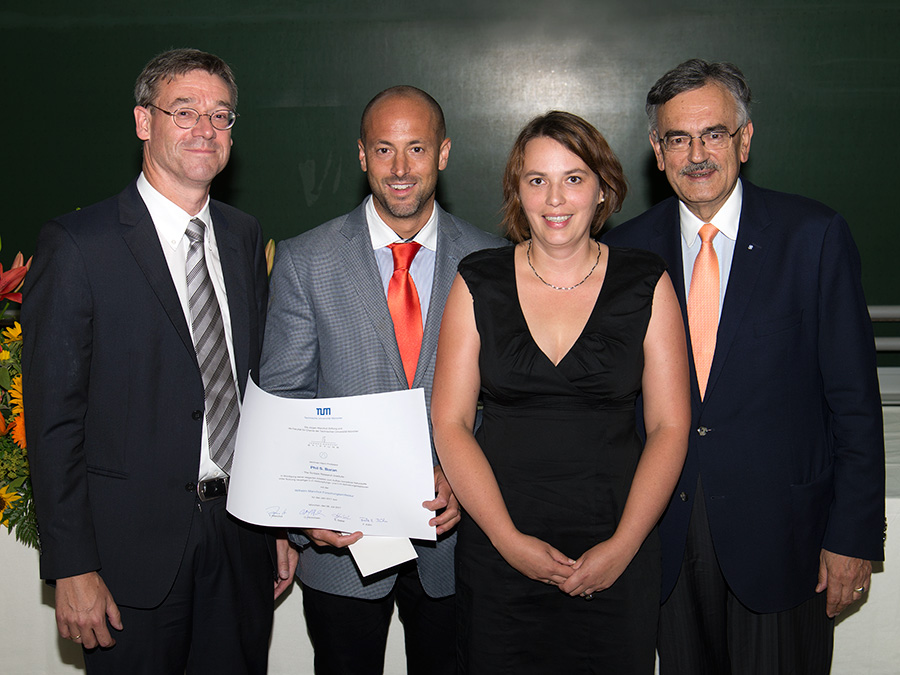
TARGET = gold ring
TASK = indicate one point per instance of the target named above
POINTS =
(76, 637)
(861, 589)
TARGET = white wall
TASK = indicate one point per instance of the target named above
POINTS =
(865, 639)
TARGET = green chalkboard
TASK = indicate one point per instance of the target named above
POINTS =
(824, 75)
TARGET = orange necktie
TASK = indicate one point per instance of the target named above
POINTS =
(403, 303)
(703, 305)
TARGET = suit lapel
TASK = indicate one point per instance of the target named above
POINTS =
(750, 252)
(235, 289)
(140, 236)
(358, 259)
(447, 257)
(666, 241)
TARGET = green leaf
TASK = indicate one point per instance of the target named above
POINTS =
(22, 520)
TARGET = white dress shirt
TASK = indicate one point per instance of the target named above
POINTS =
(726, 221)
(171, 223)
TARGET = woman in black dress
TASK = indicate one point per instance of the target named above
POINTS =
(557, 558)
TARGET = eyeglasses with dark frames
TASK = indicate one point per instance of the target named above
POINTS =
(714, 139)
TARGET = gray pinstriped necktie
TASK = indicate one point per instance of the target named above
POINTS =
(212, 353)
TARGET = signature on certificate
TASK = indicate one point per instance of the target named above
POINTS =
(378, 520)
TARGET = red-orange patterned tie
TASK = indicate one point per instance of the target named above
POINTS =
(403, 303)
(703, 305)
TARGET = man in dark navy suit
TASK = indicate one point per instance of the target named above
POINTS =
(143, 316)
(780, 507)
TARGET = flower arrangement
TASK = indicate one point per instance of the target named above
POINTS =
(16, 504)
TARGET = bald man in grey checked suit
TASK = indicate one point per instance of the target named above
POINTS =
(330, 333)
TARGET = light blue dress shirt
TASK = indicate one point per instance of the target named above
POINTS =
(422, 268)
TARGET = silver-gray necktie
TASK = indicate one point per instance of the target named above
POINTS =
(212, 352)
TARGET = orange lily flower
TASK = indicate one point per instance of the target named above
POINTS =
(11, 280)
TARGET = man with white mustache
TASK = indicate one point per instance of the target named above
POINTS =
(780, 507)
(337, 327)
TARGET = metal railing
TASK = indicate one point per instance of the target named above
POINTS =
(889, 377)
(885, 314)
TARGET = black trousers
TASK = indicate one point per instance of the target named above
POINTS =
(705, 630)
(349, 635)
(216, 619)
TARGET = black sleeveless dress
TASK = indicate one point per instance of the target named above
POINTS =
(562, 444)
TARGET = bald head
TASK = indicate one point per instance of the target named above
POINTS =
(401, 92)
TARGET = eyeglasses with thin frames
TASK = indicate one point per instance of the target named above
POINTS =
(714, 139)
(187, 118)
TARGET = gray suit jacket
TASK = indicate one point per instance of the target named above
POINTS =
(329, 333)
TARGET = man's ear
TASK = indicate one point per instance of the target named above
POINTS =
(362, 154)
(142, 122)
(658, 151)
(444, 154)
(746, 135)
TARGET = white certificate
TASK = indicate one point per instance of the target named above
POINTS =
(359, 463)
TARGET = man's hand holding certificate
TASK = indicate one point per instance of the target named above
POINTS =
(360, 463)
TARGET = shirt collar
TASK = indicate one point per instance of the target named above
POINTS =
(382, 235)
(726, 220)
(171, 220)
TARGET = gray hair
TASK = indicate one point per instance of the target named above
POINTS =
(167, 66)
(692, 75)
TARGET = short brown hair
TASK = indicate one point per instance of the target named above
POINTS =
(582, 139)
(167, 66)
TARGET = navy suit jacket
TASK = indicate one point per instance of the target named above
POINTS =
(114, 393)
(788, 439)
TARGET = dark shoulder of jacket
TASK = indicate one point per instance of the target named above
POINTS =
(638, 229)
(785, 204)
(230, 212)
(98, 214)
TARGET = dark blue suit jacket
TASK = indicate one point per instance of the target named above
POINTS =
(789, 439)
(114, 392)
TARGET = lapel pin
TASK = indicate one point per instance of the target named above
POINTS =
(750, 247)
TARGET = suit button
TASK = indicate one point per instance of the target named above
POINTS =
(683, 496)
(190, 487)
(703, 430)
(197, 414)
